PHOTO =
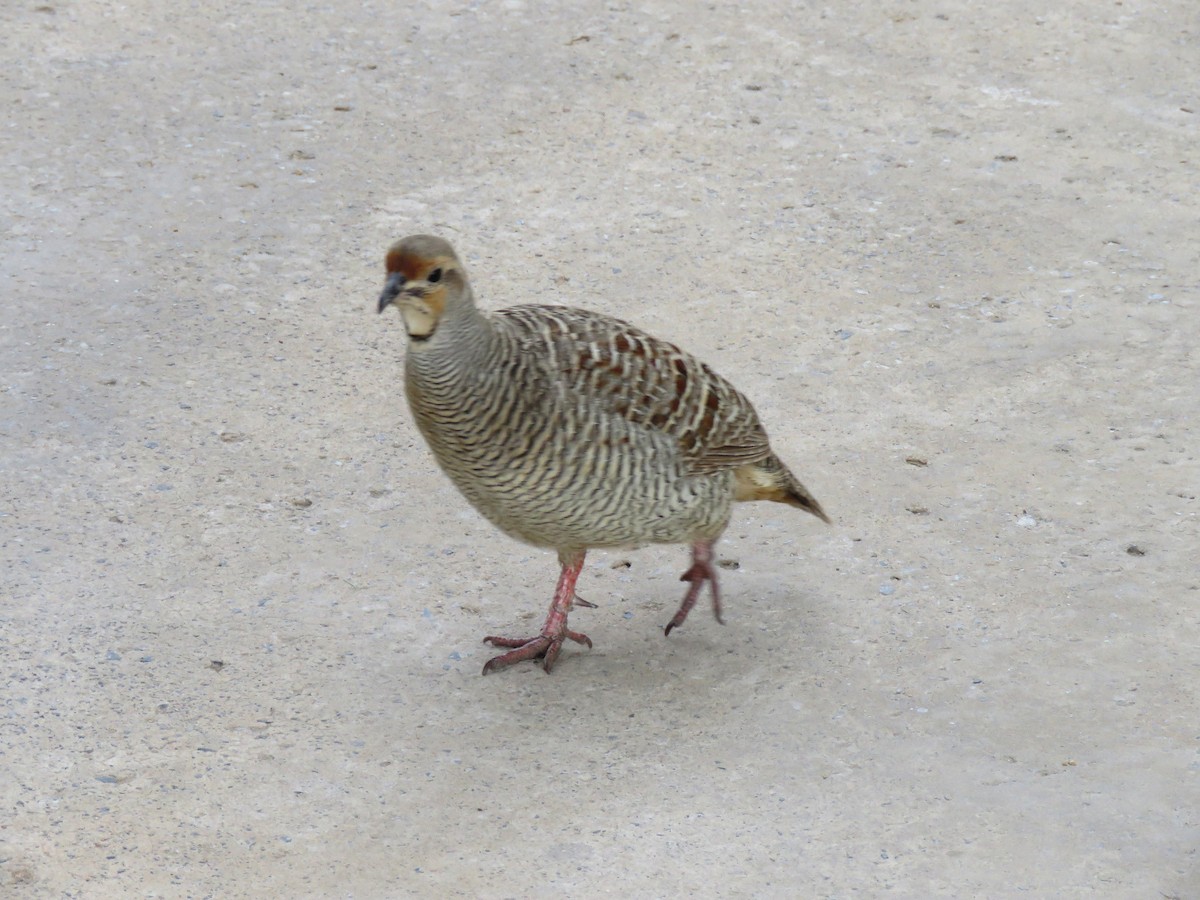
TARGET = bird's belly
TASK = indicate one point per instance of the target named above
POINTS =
(587, 493)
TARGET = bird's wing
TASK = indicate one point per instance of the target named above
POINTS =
(627, 373)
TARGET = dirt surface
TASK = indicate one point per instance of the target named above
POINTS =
(948, 248)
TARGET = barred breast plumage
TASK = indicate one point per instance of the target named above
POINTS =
(572, 430)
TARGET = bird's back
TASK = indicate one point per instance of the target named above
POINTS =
(623, 374)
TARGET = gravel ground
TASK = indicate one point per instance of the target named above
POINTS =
(949, 249)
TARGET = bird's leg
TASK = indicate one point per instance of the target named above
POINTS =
(547, 644)
(702, 570)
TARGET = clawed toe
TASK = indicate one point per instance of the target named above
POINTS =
(524, 648)
(543, 647)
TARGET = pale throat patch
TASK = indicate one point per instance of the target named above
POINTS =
(419, 320)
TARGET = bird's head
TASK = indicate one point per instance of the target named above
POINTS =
(425, 280)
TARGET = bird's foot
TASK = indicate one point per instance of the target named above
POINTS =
(547, 645)
(702, 570)
(544, 647)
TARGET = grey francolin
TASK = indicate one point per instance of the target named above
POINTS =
(570, 429)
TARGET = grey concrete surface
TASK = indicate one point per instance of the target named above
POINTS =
(949, 249)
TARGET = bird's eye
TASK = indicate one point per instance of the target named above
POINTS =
(435, 276)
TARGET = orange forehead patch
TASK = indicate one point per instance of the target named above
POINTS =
(414, 266)
(410, 266)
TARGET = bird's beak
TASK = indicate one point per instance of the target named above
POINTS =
(391, 288)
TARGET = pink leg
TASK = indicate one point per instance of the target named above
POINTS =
(547, 644)
(702, 570)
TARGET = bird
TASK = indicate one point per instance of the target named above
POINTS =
(571, 430)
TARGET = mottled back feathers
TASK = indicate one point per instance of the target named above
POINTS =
(624, 372)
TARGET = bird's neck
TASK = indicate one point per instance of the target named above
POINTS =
(461, 345)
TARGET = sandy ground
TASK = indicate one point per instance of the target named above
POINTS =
(948, 248)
